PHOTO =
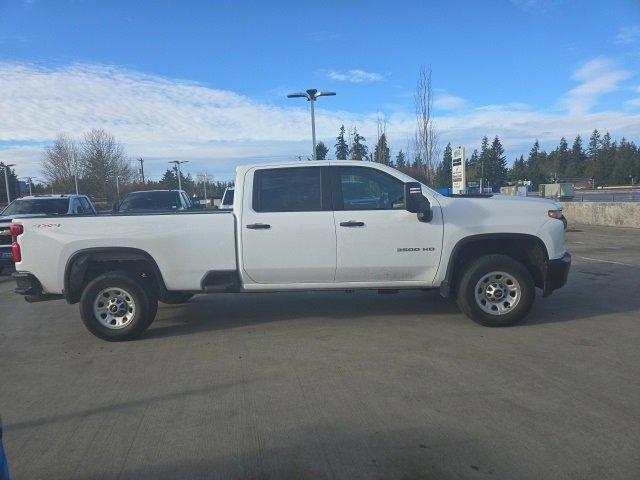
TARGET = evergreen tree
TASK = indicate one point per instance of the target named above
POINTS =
(417, 163)
(401, 160)
(561, 158)
(359, 149)
(321, 151)
(443, 172)
(496, 170)
(626, 163)
(518, 170)
(169, 179)
(342, 149)
(473, 165)
(593, 150)
(606, 158)
(576, 162)
(481, 167)
(381, 151)
(534, 164)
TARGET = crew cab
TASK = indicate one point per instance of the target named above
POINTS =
(38, 206)
(325, 225)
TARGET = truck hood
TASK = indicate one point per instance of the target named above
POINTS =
(515, 200)
(497, 213)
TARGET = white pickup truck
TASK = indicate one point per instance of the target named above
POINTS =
(326, 225)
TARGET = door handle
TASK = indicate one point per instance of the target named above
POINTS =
(352, 223)
(258, 226)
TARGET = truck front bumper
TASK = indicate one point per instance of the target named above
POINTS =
(556, 274)
(29, 286)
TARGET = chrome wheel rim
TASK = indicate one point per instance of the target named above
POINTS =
(497, 293)
(114, 308)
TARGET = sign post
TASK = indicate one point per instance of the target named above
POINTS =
(459, 171)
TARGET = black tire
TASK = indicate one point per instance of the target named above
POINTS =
(140, 314)
(176, 298)
(483, 267)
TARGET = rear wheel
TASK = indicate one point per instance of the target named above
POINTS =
(115, 306)
(496, 291)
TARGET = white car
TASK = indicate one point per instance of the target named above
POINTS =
(329, 225)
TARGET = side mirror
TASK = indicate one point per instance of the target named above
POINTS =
(416, 203)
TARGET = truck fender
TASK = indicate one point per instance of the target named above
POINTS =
(78, 263)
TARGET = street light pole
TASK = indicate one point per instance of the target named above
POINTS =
(311, 95)
(177, 163)
(205, 189)
(6, 180)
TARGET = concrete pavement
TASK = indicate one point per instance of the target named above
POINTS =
(334, 385)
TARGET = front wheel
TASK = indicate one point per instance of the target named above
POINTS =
(496, 291)
(115, 306)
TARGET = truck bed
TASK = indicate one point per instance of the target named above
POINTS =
(184, 246)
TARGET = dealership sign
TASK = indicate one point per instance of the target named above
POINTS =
(458, 171)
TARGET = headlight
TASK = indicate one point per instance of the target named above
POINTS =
(555, 214)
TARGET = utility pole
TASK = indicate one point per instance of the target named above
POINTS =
(6, 180)
(177, 164)
(118, 187)
(141, 160)
(311, 95)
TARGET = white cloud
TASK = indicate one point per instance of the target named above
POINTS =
(163, 119)
(355, 76)
(446, 101)
(597, 76)
(628, 35)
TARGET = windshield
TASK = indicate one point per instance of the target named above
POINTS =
(158, 201)
(46, 206)
(228, 197)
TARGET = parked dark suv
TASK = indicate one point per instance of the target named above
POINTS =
(155, 201)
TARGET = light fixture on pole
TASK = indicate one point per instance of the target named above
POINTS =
(177, 164)
(311, 95)
(29, 183)
(6, 179)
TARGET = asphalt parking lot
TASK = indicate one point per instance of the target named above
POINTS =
(335, 385)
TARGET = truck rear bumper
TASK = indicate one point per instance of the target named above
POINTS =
(556, 274)
(29, 286)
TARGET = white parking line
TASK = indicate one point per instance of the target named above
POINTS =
(606, 261)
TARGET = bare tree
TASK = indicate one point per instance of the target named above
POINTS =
(104, 164)
(426, 141)
(59, 164)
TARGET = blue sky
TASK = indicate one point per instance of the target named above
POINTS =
(206, 81)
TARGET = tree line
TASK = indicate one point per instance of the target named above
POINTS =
(602, 162)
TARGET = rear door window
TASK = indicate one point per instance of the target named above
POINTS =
(296, 189)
